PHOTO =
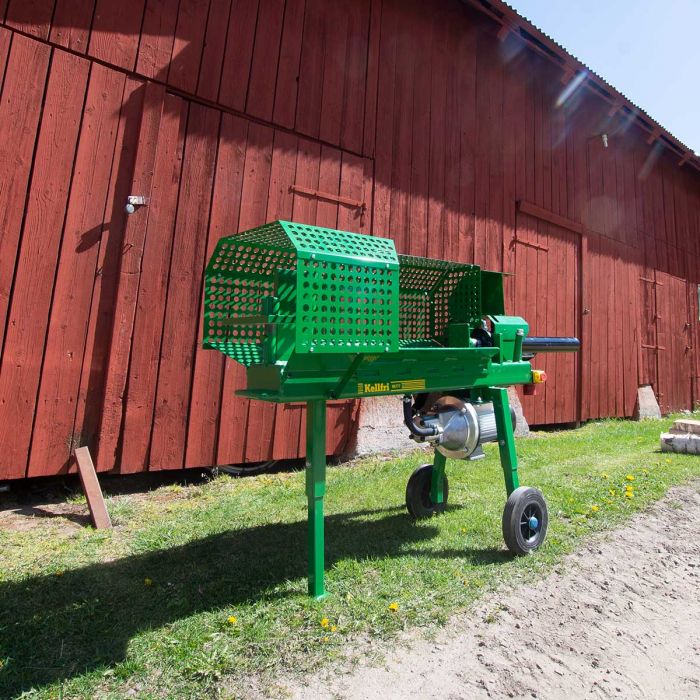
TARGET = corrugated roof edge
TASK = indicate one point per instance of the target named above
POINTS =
(512, 22)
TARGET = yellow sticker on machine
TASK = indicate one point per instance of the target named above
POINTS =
(408, 385)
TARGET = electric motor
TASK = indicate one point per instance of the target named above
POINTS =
(456, 427)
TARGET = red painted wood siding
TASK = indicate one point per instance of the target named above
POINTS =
(457, 143)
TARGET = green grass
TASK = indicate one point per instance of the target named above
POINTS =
(143, 610)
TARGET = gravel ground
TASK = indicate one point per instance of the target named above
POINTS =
(621, 619)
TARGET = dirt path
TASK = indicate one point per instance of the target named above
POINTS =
(621, 620)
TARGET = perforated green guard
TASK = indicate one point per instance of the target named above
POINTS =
(240, 274)
(433, 293)
(346, 290)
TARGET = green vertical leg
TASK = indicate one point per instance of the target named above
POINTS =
(315, 491)
(506, 440)
(437, 482)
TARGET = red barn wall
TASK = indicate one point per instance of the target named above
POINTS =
(409, 119)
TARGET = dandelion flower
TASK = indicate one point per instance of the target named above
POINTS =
(148, 582)
(630, 477)
(334, 628)
(464, 529)
(605, 476)
(393, 607)
(629, 494)
(232, 620)
(595, 508)
(613, 492)
(324, 622)
(668, 461)
(326, 639)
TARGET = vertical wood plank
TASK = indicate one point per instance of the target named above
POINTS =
(20, 111)
(116, 30)
(30, 16)
(372, 86)
(254, 198)
(71, 23)
(128, 280)
(266, 54)
(207, 403)
(157, 37)
(239, 54)
(355, 76)
(153, 288)
(225, 221)
(214, 48)
(183, 70)
(184, 291)
(31, 298)
(287, 84)
(60, 378)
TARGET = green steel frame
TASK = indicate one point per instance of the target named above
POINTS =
(316, 314)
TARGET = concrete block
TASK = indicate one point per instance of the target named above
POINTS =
(687, 443)
(647, 405)
(522, 429)
(380, 427)
(684, 425)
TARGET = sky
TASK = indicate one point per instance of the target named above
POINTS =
(645, 49)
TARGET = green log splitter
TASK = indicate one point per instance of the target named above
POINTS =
(317, 314)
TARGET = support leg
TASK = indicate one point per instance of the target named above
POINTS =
(315, 491)
(506, 440)
(437, 482)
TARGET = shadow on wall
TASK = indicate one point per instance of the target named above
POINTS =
(58, 627)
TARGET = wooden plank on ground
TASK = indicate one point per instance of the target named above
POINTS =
(91, 487)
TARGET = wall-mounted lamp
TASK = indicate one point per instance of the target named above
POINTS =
(605, 140)
(133, 201)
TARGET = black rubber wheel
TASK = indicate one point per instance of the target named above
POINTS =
(525, 520)
(418, 494)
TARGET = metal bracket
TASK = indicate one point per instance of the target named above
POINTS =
(133, 201)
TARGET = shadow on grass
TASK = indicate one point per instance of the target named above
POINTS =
(55, 627)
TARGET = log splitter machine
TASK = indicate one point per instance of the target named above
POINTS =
(316, 314)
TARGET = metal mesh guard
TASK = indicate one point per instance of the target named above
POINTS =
(434, 293)
(240, 274)
(346, 290)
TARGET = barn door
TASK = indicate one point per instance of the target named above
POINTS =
(674, 343)
(547, 295)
